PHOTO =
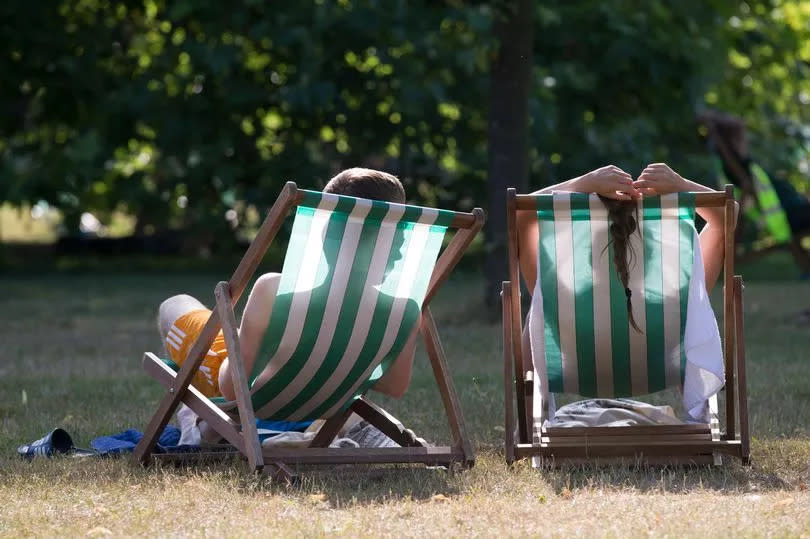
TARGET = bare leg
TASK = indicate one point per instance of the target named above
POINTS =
(172, 309)
(168, 313)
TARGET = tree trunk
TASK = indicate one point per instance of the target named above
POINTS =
(508, 134)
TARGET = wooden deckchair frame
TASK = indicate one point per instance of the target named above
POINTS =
(675, 444)
(242, 434)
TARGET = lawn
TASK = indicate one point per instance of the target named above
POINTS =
(70, 350)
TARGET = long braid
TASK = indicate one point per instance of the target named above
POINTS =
(623, 222)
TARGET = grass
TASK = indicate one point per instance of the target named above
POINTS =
(70, 357)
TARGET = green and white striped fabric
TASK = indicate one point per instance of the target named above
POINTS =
(579, 323)
(351, 291)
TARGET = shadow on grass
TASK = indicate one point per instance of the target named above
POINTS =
(342, 485)
(337, 486)
(776, 465)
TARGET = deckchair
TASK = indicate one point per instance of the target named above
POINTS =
(588, 347)
(356, 277)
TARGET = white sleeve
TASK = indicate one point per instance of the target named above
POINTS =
(704, 352)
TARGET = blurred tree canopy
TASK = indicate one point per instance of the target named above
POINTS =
(178, 111)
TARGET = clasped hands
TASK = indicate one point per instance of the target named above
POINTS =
(612, 182)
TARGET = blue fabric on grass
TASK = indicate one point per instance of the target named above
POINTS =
(126, 441)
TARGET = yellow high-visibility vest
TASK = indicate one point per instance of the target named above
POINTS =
(768, 214)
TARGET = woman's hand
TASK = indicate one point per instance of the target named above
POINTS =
(610, 182)
(659, 179)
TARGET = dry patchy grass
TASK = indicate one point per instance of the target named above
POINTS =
(73, 344)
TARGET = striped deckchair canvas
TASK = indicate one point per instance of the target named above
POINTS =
(354, 288)
(351, 291)
(578, 338)
(589, 346)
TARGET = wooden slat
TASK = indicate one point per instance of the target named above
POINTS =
(447, 391)
(628, 460)
(632, 443)
(665, 448)
(703, 199)
(253, 447)
(634, 430)
(607, 439)
(742, 383)
(508, 375)
(381, 455)
(464, 220)
(728, 311)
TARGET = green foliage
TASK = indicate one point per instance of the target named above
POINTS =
(766, 80)
(177, 112)
(618, 82)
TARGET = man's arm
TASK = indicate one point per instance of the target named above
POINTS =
(255, 320)
(397, 378)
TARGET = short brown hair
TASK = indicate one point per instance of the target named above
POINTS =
(367, 183)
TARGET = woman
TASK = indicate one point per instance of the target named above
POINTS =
(620, 194)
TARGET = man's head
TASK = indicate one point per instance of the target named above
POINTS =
(729, 129)
(367, 183)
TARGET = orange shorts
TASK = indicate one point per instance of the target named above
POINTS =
(179, 341)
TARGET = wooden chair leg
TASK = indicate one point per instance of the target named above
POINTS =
(447, 390)
(742, 393)
(253, 447)
(728, 314)
(330, 429)
(199, 404)
(508, 375)
(388, 424)
(279, 471)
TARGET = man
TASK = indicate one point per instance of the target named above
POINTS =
(181, 318)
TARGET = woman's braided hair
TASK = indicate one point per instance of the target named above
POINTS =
(623, 217)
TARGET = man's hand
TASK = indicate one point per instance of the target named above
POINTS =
(610, 182)
(659, 179)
